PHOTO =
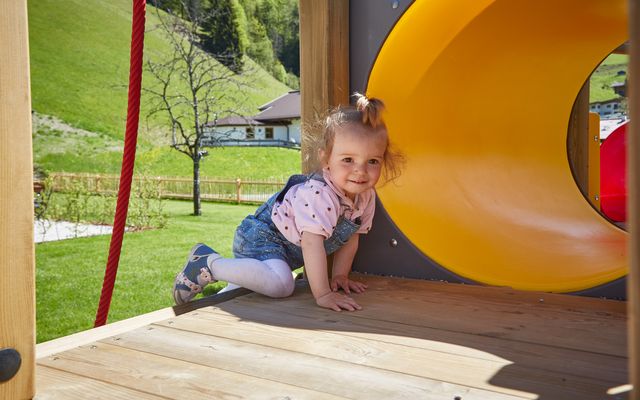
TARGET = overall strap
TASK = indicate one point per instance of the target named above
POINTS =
(295, 180)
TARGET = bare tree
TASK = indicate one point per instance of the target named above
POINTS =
(192, 89)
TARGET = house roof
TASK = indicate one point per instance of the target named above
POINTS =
(286, 106)
(236, 121)
(275, 112)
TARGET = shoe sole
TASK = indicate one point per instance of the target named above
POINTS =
(176, 298)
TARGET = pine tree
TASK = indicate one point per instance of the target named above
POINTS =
(223, 33)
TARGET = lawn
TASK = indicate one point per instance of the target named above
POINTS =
(255, 163)
(69, 273)
(606, 74)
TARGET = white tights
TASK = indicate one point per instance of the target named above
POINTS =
(271, 278)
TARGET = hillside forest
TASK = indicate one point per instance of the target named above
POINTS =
(267, 31)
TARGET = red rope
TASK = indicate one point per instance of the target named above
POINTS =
(128, 158)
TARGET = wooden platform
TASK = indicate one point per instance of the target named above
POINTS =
(413, 340)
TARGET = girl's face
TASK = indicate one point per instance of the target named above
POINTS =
(355, 162)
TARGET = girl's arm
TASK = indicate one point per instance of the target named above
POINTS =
(342, 262)
(315, 265)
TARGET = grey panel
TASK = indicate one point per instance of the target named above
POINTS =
(612, 290)
(370, 21)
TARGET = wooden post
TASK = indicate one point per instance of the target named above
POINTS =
(238, 189)
(593, 164)
(324, 64)
(633, 214)
(17, 267)
(578, 140)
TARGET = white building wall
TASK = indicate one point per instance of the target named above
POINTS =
(228, 132)
(291, 133)
(295, 131)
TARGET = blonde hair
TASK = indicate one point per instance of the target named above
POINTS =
(367, 114)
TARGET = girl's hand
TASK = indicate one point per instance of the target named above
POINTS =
(343, 282)
(337, 302)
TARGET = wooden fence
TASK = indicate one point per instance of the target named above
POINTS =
(224, 190)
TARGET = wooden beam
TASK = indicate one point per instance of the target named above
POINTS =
(324, 63)
(578, 140)
(17, 268)
(633, 214)
(593, 167)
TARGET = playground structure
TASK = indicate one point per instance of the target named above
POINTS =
(507, 211)
(613, 177)
(488, 168)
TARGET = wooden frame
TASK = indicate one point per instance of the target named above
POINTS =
(324, 39)
(17, 267)
(633, 219)
(324, 63)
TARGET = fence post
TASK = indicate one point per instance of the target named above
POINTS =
(238, 189)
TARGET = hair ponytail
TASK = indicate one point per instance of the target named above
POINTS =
(370, 109)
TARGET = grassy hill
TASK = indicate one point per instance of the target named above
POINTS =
(605, 75)
(79, 73)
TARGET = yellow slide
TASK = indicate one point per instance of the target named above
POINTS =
(479, 94)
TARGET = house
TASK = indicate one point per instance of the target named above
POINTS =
(608, 108)
(612, 108)
(277, 124)
(620, 88)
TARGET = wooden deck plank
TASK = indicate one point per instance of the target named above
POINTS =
(93, 335)
(54, 384)
(471, 371)
(413, 339)
(605, 334)
(167, 377)
(564, 362)
(501, 295)
(609, 336)
(314, 372)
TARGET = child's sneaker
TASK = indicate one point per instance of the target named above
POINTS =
(195, 275)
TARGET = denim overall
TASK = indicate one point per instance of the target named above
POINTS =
(257, 236)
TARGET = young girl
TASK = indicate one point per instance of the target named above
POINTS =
(311, 217)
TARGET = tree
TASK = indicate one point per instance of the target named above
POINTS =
(280, 19)
(183, 8)
(192, 89)
(224, 32)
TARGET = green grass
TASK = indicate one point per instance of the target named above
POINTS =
(79, 53)
(69, 273)
(605, 75)
(229, 162)
(79, 71)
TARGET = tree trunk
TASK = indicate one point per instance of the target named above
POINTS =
(196, 186)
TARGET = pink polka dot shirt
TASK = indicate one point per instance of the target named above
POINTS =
(315, 206)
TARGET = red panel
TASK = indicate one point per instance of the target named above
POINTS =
(613, 171)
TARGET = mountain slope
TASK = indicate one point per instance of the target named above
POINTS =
(80, 62)
(79, 74)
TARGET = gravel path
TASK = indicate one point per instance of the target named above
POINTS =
(47, 231)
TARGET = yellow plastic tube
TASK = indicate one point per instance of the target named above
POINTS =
(479, 94)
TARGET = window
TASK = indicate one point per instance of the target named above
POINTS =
(250, 133)
(268, 133)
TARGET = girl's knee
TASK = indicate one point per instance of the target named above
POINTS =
(284, 288)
